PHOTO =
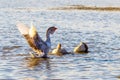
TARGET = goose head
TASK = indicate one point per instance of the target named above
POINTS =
(51, 30)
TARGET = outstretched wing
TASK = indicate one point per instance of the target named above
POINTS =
(23, 28)
(32, 37)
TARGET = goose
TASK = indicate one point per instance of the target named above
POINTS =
(59, 51)
(82, 47)
(40, 47)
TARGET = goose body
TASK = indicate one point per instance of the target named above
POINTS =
(35, 41)
(59, 51)
(82, 47)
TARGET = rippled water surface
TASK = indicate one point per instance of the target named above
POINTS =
(99, 29)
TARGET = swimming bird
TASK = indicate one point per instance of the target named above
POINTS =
(35, 41)
(59, 51)
(82, 47)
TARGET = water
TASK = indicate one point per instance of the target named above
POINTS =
(99, 29)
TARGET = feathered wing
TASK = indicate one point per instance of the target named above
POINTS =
(23, 28)
(32, 37)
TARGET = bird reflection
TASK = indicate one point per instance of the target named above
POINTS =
(118, 77)
(34, 62)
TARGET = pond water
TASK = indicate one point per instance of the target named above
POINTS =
(100, 30)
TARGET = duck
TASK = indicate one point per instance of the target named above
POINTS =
(81, 48)
(59, 50)
(40, 47)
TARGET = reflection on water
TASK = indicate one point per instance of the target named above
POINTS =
(118, 77)
(33, 62)
(8, 49)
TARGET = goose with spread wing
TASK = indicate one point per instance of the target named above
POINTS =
(34, 40)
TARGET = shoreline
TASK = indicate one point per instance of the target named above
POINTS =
(81, 7)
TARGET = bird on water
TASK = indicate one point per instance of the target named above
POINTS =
(81, 48)
(59, 51)
(40, 47)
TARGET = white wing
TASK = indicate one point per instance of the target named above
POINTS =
(22, 28)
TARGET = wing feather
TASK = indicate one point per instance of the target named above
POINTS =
(32, 37)
(22, 28)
